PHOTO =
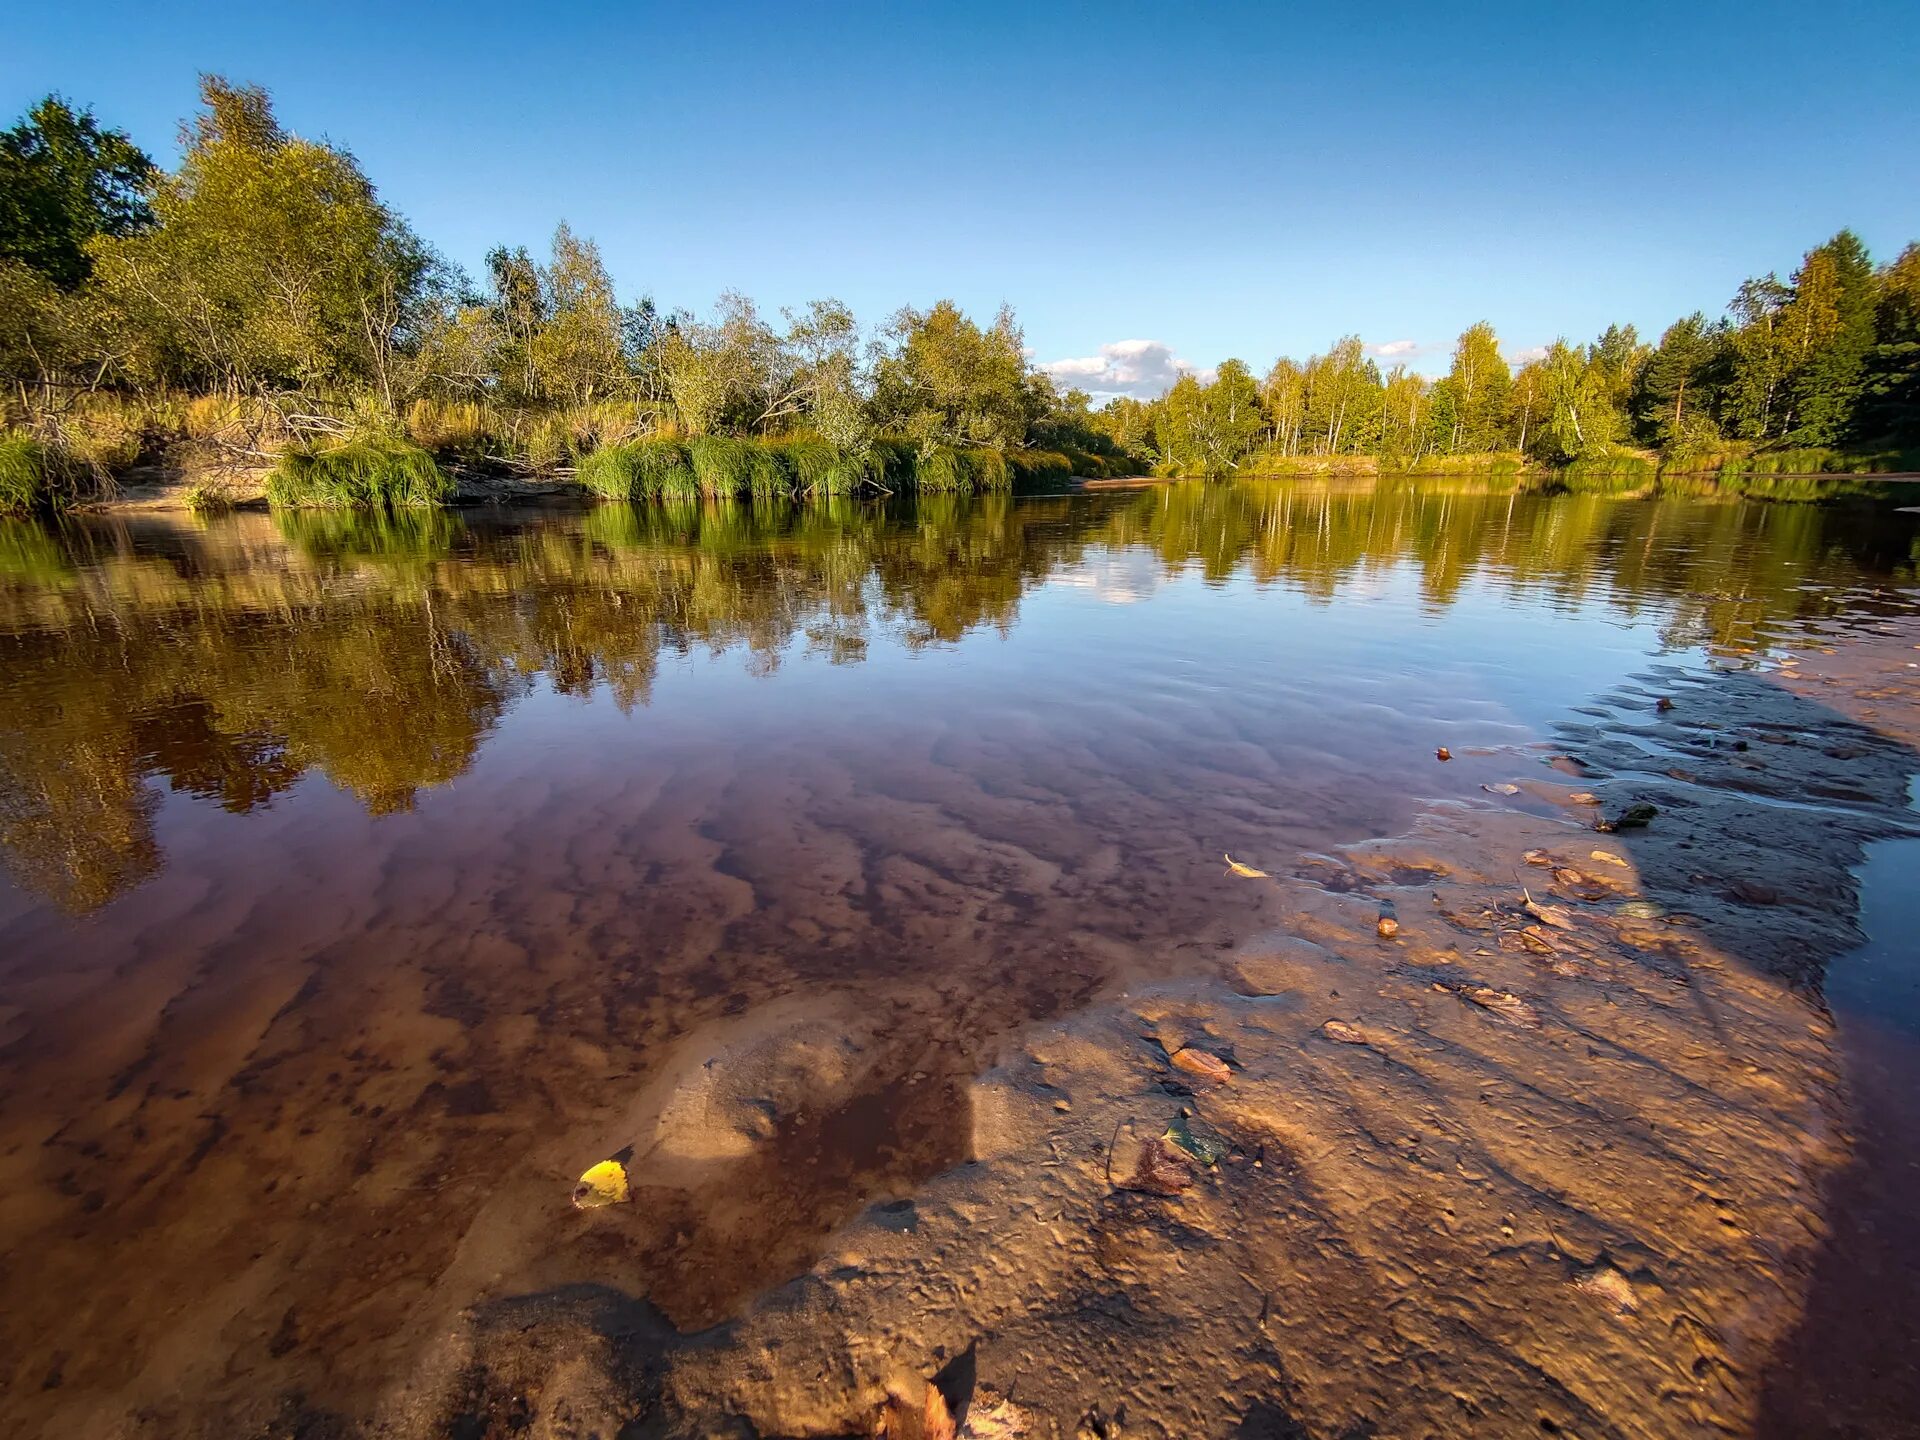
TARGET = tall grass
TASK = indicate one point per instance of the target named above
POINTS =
(363, 473)
(638, 470)
(721, 464)
(25, 475)
(810, 460)
(769, 477)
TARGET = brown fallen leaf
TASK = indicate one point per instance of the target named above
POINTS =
(1567, 875)
(1443, 753)
(1202, 1063)
(1608, 856)
(1537, 857)
(1501, 788)
(1535, 939)
(1343, 1032)
(1555, 915)
(1161, 1170)
(1246, 872)
(1583, 797)
(1510, 1008)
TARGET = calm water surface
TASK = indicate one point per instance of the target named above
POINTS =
(359, 873)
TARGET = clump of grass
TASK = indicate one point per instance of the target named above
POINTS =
(991, 470)
(851, 472)
(612, 472)
(361, 473)
(24, 477)
(207, 497)
(721, 464)
(896, 461)
(944, 469)
(665, 468)
(810, 460)
(768, 477)
(638, 470)
(1039, 467)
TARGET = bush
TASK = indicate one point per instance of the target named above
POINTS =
(360, 474)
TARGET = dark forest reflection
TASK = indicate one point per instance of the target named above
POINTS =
(229, 658)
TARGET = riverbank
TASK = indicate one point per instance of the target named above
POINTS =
(1546, 1155)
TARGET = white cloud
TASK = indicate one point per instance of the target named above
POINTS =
(1392, 348)
(1521, 357)
(1142, 368)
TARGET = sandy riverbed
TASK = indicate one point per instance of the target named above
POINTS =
(1501, 1173)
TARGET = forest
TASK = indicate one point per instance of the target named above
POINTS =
(259, 314)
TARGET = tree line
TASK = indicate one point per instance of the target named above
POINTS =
(262, 293)
(261, 296)
(1821, 368)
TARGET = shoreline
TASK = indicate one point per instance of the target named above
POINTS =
(488, 489)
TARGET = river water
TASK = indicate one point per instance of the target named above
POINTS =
(359, 871)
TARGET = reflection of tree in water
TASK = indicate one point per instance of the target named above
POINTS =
(231, 658)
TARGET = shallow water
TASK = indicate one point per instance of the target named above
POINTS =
(362, 874)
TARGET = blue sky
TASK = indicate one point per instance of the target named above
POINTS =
(1204, 180)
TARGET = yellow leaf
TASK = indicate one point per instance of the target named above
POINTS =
(604, 1184)
(1246, 872)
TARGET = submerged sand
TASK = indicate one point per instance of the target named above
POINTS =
(1548, 1159)
(1556, 1155)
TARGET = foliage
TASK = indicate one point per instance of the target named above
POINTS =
(360, 474)
(949, 382)
(63, 181)
(271, 263)
(261, 292)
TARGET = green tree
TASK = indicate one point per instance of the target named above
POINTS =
(1888, 411)
(1758, 359)
(1478, 387)
(1672, 399)
(63, 181)
(947, 381)
(1580, 418)
(575, 351)
(271, 263)
(1829, 327)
